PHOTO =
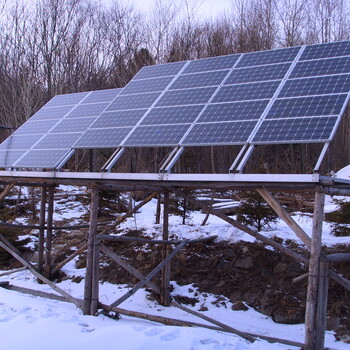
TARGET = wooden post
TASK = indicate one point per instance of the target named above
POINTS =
(165, 276)
(158, 209)
(322, 305)
(91, 275)
(314, 270)
(41, 236)
(48, 245)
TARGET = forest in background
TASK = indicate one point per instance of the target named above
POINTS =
(50, 47)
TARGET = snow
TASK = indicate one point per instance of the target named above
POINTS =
(38, 323)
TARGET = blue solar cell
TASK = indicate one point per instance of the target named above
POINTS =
(73, 125)
(58, 141)
(19, 142)
(225, 133)
(159, 70)
(116, 119)
(294, 130)
(268, 57)
(260, 73)
(341, 48)
(242, 92)
(307, 106)
(67, 99)
(149, 85)
(186, 97)
(157, 136)
(133, 101)
(172, 115)
(102, 96)
(88, 110)
(51, 113)
(321, 67)
(41, 159)
(8, 157)
(102, 138)
(186, 81)
(335, 84)
(211, 64)
(36, 127)
(233, 111)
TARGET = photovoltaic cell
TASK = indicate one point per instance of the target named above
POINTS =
(316, 129)
(226, 133)
(186, 97)
(336, 49)
(7, 158)
(88, 110)
(102, 138)
(51, 113)
(211, 64)
(186, 81)
(58, 141)
(160, 70)
(268, 57)
(19, 142)
(321, 67)
(118, 119)
(251, 110)
(73, 125)
(36, 127)
(160, 135)
(67, 99)
(335, 84)
(260, 73)
(251, 91)
(133, 101)
(172, 115)
(102, 96)
(307, 106)
(41, 159)
(149, 85)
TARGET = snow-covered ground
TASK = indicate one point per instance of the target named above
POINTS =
(28, 322)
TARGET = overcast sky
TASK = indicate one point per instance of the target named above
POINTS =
(207, 9)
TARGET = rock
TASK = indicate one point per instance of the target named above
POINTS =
(280, 268)
(283, 316)
(244, 263)
(239, 306)
(245, 250)
(139, 257)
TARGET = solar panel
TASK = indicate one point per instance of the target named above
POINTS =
(102, 138)
(211, 64)
(226, 133)
(160, 70)
(286, 95)
(317, 129)
(51, 132)
(159, 135)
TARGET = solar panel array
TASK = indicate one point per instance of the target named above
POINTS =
(292, 95)
(48, 136)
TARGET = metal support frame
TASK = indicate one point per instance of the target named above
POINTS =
(65, 159)
(166, 168)
(232, 167)
(113, 159)
(320, 158)
(245, 158)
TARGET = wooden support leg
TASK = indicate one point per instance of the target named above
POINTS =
(322, 305)
(48, 246)
(41, 236)
(314, 270)
(165, 277)
(91, 275)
